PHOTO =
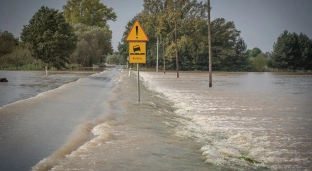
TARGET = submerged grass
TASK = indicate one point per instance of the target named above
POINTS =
(250, 160)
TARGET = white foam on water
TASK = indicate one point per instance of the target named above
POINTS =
(230, 134)
(54, 162)
(101, 133)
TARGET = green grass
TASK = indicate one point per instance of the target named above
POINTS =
(249, 160)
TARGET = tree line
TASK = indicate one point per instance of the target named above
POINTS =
(79, 36)
(292, 52)
(160, 18)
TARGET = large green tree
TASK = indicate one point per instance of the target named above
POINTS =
(292, 52)
(52, 40)
(93, 44)
(223, 42)
(305, 48)
(239, 61)
(88, 12)
(7, 42)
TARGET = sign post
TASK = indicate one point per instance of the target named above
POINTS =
(138, 83)
(137, 48)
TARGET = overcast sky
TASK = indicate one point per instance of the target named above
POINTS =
(260, 21)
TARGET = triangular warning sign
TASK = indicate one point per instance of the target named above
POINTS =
(137, 33)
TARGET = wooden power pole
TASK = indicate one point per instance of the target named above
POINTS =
(209, 46)
(176, 48)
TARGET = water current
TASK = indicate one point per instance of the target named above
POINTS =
(246, 121)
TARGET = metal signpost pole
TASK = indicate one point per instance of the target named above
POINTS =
(138, 83)
(164, 57)
(209, 46)
(157, 56)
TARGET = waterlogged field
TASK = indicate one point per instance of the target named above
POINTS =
(246, 120)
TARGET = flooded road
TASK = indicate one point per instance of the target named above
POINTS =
(135, 136)
(246, 121)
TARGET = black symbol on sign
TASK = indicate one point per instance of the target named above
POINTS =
(136, 31)
(136, 48)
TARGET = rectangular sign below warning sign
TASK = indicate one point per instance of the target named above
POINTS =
(137, 59)
(137, 52)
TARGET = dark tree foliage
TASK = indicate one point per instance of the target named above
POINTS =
(224, 36)
(159, 18)
(7, 42)
(93, 43)
(88, 12)
(52, 40)
(241, 61)
(254, 52)
(292, 52)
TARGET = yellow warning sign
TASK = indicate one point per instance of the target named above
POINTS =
(137, 33)
(137, 52)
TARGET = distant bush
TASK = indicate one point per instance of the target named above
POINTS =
(74, 66)
(259, 63)
(20, 59)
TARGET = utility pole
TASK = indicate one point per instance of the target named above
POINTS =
(164, 56)
(157, 56)
(176, 47)
(176, 42)
(209, 46)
